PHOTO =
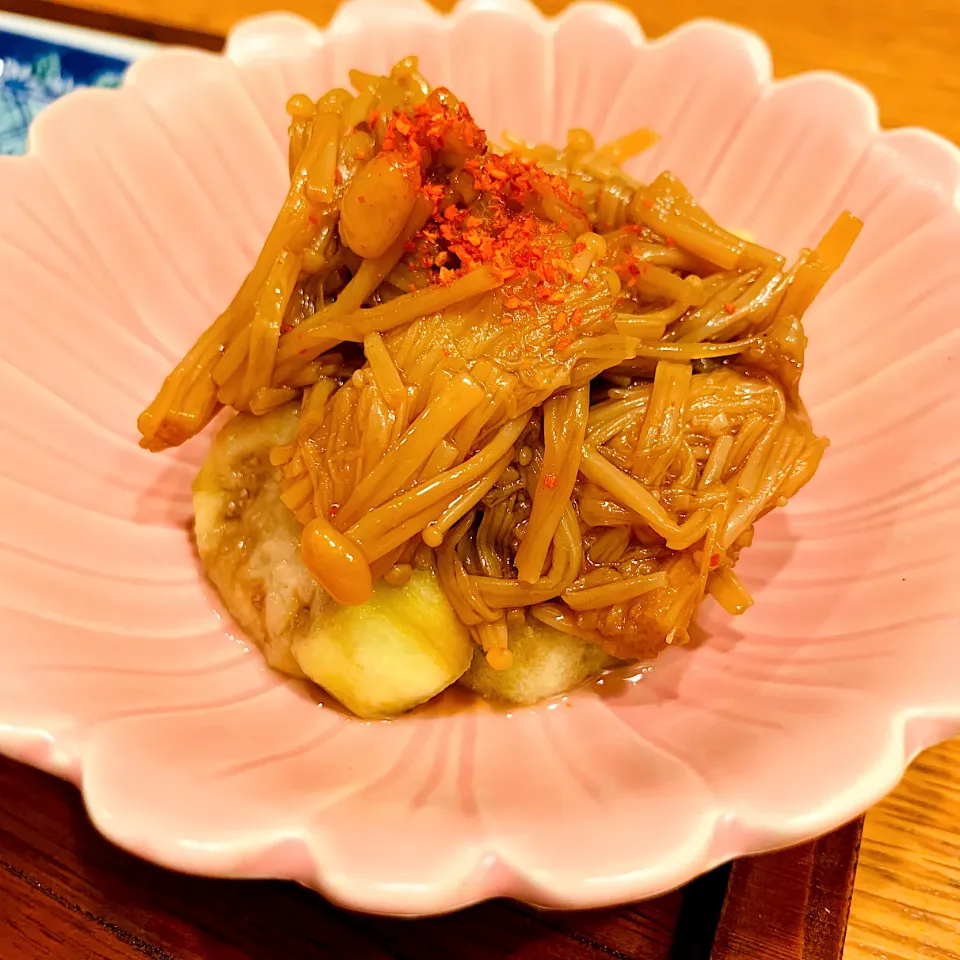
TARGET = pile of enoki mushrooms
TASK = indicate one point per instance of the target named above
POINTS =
(572, 393)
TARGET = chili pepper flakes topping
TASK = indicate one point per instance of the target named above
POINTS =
(550, 481)
(729, 308)
(503, 227)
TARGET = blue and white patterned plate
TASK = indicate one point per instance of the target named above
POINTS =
(41, 61)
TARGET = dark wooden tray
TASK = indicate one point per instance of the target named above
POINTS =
(67, 894)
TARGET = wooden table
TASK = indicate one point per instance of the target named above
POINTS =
(66, 894)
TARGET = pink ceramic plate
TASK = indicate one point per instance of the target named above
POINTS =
(131, 222)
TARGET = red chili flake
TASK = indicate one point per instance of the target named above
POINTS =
(648, 204)
(313, 219)
(560, 321)
(361, 199)
(714, 559)
(435, 193)
(409, 246)
(509, 237)
(389, 143)
(729, 308)
(563, 343)
(576, 318)
(362, 154)
(446, 352)
(550, 481)
(511, 303)
(579, 247)
(334, 510)
(671, 242)
(563, 223)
